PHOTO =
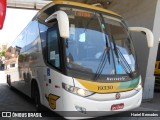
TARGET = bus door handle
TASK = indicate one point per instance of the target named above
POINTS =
(49, 80)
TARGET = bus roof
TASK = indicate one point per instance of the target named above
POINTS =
(83, 5)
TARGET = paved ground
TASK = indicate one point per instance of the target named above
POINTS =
(2, 77)
(12, 100)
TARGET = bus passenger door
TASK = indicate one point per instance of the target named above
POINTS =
(52, 73)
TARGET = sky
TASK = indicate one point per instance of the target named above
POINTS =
(16, 20)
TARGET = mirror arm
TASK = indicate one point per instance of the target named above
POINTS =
(149, 34)
(63, 22)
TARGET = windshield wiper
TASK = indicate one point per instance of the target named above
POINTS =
(126, 66)
(106, 52)
(102, 63)
(122, 60)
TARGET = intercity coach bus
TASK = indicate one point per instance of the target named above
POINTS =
(77, 57)
(157, 70)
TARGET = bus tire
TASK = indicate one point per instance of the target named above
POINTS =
(36, 97)
(9, 81)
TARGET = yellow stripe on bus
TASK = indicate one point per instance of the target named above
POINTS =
(102, 87)
(84, 5)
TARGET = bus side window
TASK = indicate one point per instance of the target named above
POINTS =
(53, 57)
(43, 35)
(32, 34)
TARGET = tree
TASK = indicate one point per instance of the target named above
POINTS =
(2, 53)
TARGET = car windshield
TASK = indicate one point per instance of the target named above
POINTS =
(98, 44)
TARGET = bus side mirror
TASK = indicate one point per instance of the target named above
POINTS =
(2, 12)
(148, 33)
(63, 22)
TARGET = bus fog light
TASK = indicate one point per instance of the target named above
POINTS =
(80, 109)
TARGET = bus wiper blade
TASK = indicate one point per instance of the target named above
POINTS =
(122, 60)
(107, 49)
(102, 63)
(126, 66)
(106, 54)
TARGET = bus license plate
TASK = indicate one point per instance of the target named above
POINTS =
(117, 106)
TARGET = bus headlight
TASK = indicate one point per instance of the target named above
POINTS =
(77, 91)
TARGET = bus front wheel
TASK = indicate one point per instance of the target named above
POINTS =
(36, 98)
(9, 81)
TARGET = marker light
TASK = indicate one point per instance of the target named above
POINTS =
(77, 91)
(139, 86)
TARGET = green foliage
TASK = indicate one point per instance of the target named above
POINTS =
(21, 57)
(2, 53)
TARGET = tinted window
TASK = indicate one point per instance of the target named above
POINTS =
(52, 47)
(32, 33)
(20, 41)
(158, 53)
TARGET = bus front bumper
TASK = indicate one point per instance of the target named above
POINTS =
(76, 106)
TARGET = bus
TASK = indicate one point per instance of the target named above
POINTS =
(157, 70)
(77, 57)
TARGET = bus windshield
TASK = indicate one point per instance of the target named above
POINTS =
(98, 45)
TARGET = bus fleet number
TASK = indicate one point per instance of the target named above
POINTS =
(105, 87)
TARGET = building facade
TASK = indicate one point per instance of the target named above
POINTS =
(3, 46)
